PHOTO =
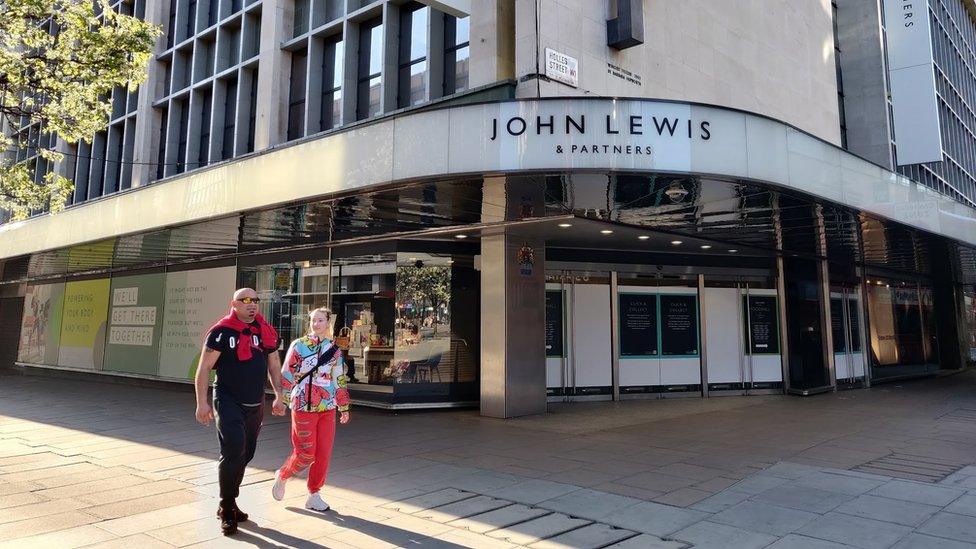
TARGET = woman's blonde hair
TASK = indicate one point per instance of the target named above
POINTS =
(329, 317)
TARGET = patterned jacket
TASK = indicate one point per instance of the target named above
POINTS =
(328, 385)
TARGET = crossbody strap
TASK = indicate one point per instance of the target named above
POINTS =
(324, 358)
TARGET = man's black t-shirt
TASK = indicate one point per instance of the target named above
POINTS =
(242, 382)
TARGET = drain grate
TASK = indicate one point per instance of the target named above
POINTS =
(521, 524)
(911, 467)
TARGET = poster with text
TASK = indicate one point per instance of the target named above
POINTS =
(193, 302)
(41, 326)
(638, 325)
(83, 323)
(134, 324)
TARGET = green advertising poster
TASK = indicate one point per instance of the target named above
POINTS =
(83, 323)
(194, 301)
(41, 327)
(135, 323)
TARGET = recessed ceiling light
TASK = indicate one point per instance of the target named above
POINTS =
(460, 236)
(733, 250)
(706, 246)
(413, 259)
(565, 225)
(606, 231)
(676, 242)
(643, 237)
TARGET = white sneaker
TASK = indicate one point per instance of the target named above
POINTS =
(278, 488)
(316, 503)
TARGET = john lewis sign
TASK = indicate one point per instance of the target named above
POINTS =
(596, 133)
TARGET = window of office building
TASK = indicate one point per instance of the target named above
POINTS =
(331, 106)
(456, 53)
(230, 115)
(368, 96)
(296, 95)
(412, 74)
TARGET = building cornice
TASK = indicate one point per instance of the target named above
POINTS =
(534, 135)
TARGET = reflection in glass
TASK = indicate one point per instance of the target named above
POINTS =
(331, 108)
(374, 105)
(902, 328)
(370, 64)
(412, 74)
(456, 54)
(423, 323)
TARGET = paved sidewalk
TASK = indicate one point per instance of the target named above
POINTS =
(108, 465)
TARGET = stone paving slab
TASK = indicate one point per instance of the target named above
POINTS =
(538, 529)
(50, 523)
(499, 518)
(704, 472)
(952, 526)
(589, 504)
(430, 500)
(921, 541)
(712, 535)
(533, 491)
(71, 537)
(655, 518)
(905, 513)
(760, 517)
(810, 499)
(794, 541)
(856, 531)
(918, 492)
(965, 505)
(592, 536)
(644, 541)
(462, 509)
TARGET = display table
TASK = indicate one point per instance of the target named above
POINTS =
(376, 359)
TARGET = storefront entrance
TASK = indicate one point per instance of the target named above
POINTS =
(846, 322)
(578, 336)
(742, 334)
(647, 334)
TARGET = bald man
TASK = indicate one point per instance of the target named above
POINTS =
(243, 349)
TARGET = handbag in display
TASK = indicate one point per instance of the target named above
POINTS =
(343, 337)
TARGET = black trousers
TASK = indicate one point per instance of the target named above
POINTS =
(238, 427)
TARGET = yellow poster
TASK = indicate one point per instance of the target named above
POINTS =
(83, 323)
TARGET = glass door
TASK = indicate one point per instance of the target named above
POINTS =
(742, 336)
(658, 334)
(845, 324)
(578, 336)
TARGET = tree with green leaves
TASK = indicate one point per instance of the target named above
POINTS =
(426, 286)
(59, 62)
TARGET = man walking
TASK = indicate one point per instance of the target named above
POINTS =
(243, 348)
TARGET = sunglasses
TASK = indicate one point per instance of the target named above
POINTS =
(249, 300)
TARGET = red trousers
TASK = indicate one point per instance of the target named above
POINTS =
(312, 436)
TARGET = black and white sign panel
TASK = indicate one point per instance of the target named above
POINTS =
(762, 325)
(638, 325)
(679, 325)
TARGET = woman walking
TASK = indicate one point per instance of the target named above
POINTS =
(314, 382)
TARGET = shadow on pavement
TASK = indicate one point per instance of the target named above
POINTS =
(380, 532)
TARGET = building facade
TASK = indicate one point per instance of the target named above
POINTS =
(511, 202)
